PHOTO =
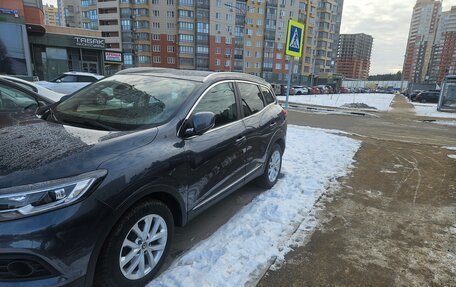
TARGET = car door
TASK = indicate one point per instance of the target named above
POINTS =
(216, 158)
(259, 120)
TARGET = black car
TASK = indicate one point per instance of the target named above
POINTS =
(428, 97)
(92, 191)
(18, 103)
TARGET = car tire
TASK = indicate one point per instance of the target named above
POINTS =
(124, 246)
(273, 168)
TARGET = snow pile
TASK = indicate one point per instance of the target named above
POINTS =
(263, 230)
(380, 102)
(430, 110)
(445, 123)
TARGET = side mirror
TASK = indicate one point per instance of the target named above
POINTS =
(200, 123)
(58, 81)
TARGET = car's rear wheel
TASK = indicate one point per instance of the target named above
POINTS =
(273, 168)
(137, 247)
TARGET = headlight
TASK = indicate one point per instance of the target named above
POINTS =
(26, 200)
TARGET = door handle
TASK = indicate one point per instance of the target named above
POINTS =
(273, 124)
(241, 140)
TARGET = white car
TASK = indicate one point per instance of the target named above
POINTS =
(300, 90)
(70, 82)
(32, 86)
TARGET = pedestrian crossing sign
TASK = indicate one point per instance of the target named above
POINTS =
(295, 36)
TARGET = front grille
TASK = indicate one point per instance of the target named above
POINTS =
(24, 267)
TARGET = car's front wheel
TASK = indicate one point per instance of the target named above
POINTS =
(137, 247)
(273, 168)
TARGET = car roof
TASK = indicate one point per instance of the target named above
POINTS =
(84, 74)
(27, 91)
(193, 75)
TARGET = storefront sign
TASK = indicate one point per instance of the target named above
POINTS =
(9, 12)
(89, 42)
(113, 56)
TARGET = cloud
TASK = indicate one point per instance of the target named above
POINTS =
(388, 21)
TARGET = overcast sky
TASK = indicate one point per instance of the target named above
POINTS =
(388, 21)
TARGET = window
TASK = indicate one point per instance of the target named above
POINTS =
(155, 36)
(218, 50)
(156, 48)
(252, 101)
(67, 79)
(170, 49)
(143, 59)
(171, 38)
(13, 99)
(185, 50)
(217, 62)
(86, 79)
(185, 26)
(171, 60)
(128, 59)
(222, 102)
(268, 97)
(156, 59)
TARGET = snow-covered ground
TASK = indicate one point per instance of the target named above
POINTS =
(445, 123)
(430, 110)
(380, 102)
(266, 228)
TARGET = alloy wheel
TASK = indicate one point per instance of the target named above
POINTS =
(274, 166)
(143, 247)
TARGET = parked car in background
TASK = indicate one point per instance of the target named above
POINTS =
(16, 104)
(414, 94)
(315, 90)
(428, 96)
(70, 82)
(92, 191)
(300, 90)
(343, 90)
(32, 86)
(323, 89)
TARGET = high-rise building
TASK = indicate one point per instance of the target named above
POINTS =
(421, 38)
(444, 50)
(53, 15)
(72, 12)
(354, 55)
(219, 35)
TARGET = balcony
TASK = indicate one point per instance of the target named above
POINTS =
(108, 16)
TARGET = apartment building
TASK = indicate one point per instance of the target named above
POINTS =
(443, 60)
(423, 29)
(72, 12)
(354, 55)
(219, 35)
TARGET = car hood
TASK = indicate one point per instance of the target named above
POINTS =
(40, 151)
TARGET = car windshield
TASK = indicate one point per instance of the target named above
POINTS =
(124, 102)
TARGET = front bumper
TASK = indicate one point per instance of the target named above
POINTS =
(56, 245)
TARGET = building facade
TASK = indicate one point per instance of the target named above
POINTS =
(443, 60)
(354, 56)
(72, 12)
(53, 15)
(423, 30)
(217, 35)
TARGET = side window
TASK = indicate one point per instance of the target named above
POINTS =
(221, 101)
(12, 99)
(267, 95)
(252, 101)
(68, 79)
(85, 79)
